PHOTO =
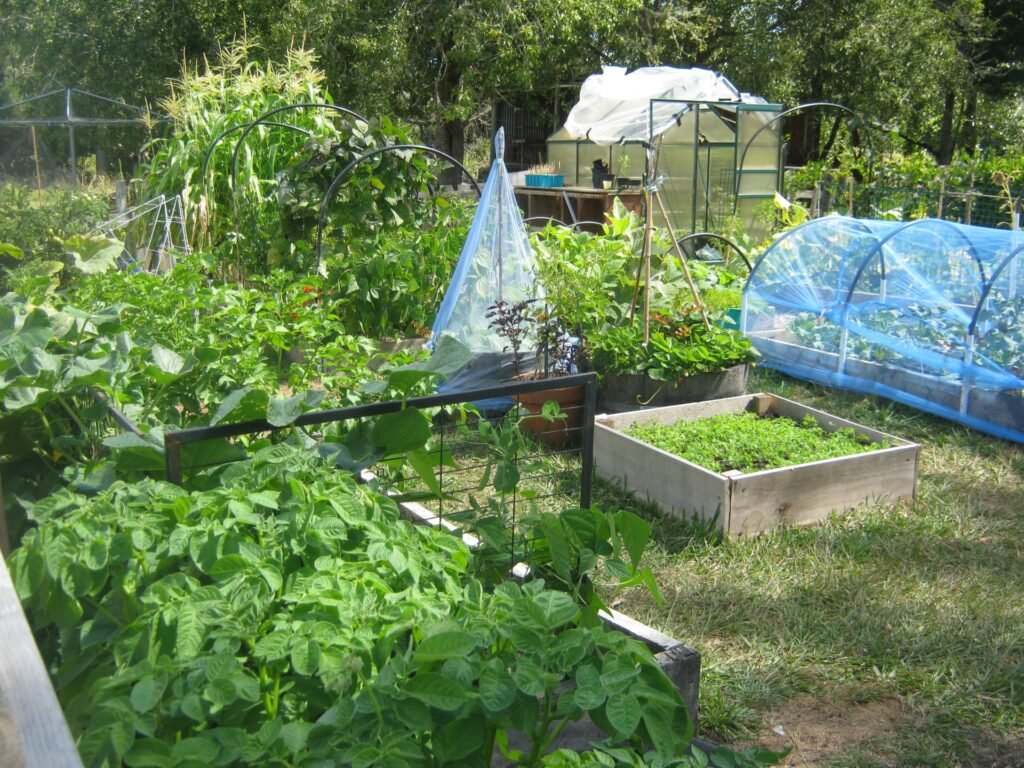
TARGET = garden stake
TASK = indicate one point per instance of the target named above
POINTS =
(648, 227)
(682, 260)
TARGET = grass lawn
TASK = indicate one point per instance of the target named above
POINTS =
(893, 636)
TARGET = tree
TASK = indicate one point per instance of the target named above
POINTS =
(119, 48)
(927, 66)
(442, 63)
(916, 65)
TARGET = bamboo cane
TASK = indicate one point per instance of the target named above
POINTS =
(682, 260)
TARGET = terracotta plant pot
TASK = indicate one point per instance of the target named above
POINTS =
(560, 432)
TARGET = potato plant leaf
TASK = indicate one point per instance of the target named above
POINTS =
(436, 690)
(305, 656)
(623, 712)
(445, 645)
(457, 740)
(497, 688)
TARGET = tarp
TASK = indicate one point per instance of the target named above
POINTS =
(617, 106)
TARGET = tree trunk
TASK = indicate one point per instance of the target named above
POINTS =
(812, 134)
(945, 153)
(450, 137)
(968, 133)
(449, 134)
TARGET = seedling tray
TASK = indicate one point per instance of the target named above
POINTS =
(545, 179)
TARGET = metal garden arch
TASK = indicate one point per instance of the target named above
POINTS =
(336, 182)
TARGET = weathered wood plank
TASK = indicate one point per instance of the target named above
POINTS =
(670, 414)
(33, 732)
(680, 487)
(808, 493)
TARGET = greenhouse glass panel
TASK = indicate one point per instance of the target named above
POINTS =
(925, 313)
(761, 146)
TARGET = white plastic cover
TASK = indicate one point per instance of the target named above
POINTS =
(617, 106)
(496, 264)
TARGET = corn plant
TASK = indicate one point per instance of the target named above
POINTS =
(231, 92)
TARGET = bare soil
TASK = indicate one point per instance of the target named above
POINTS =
(818, 730)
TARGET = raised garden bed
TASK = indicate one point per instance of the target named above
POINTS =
(992, 411)
(629, 392)
(757, 501)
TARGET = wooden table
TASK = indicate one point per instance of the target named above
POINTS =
(584, 206)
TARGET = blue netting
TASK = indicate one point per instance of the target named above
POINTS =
(926, 313)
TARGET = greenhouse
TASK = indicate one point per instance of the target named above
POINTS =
(926, 313)
(710, 154)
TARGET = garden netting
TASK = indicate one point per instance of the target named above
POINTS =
(496, 264)
(927, 313)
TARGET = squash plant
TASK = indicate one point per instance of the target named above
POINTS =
(32, 223)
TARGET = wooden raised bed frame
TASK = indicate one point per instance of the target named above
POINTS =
(759, 501)
(33, 732)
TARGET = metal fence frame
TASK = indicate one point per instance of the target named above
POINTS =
(973, 205)
(174, 440)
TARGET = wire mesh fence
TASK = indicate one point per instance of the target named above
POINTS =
(486, 473)
(981, 205)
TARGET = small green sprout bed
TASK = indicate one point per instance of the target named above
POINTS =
(745, 442)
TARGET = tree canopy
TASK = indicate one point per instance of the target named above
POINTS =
(947, 74)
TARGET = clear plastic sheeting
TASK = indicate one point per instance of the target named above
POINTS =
(616, 106)
(927, 313)
(496, 264)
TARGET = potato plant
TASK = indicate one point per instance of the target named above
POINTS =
(279, 613)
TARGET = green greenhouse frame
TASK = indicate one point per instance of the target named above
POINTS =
(697, 161)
